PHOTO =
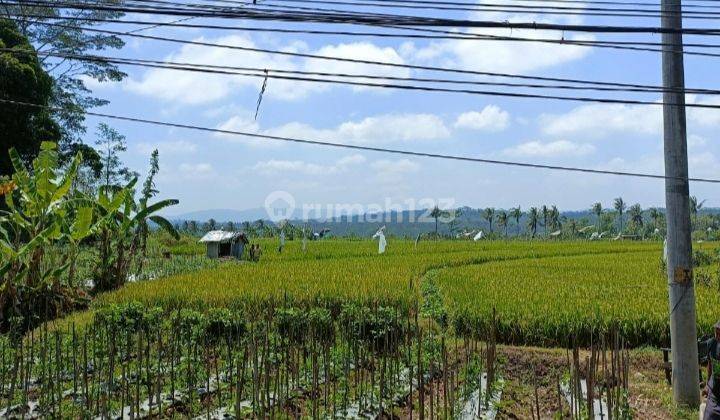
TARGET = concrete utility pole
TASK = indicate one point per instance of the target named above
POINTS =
(683, 330)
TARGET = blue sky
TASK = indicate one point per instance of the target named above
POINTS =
(207, 171)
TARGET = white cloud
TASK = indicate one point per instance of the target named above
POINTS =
(491, 118)
(601, 120)
(196, 171)
(194, 88)
(279, 167)
(707, 117)
(504, 56)
(560, 148)
(387, 170)
(402, 127)
(358, 51)
(167, 147)
(355, 159)
(241, 123)
(378, 129)
(694, 141)
(703, 164)
(274, 167)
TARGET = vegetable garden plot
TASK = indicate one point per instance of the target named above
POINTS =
(284, 362)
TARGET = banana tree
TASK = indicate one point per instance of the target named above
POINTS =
(40, 231)
(119, 232)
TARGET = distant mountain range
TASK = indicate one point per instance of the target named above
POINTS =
(223, 215)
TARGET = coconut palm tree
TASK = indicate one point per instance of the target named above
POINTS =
(454, 224)
(502, 221)
(516, 213)
(260, 227)
(489, 215)
(211, 224)
(555, 218)
(597, 210)
(436, 213)
(545, 214)
(636, 215)
(655, 216)
(533, 219)
(620, 207)
(247, 228)
(695, 207)
(572, 223)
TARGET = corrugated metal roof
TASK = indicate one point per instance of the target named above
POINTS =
(221, 236)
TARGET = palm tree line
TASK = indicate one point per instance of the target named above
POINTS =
(537, 221)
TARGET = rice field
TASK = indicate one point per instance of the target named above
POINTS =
(550, 301)
(337, 331)
(543, 292)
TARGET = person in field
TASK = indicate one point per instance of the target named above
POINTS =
(712, 389)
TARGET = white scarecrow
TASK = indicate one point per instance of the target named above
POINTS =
(382, 242)
(282, 236)
(304, 239)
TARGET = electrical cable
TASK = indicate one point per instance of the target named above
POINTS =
(377, 149)
(399, 20)
(261, 72)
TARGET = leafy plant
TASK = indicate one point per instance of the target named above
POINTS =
(119, 232)
(39, 236)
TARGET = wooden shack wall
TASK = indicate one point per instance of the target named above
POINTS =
(237, 249)
(212, 249)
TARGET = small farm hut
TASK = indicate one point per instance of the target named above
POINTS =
(224, 244)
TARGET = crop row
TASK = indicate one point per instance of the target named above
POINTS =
(550, 301)
(336, 272)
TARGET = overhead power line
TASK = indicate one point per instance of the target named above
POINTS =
(157, 25)
(509, 8)
(342, 59)
(479, 7)
(435, 34)
(686, 3)
(484, 7)
(386, 64)
(338, 18)
(268, 5)
(278, 73)
(375, 149)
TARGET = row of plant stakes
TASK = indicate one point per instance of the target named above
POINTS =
(278, 362)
